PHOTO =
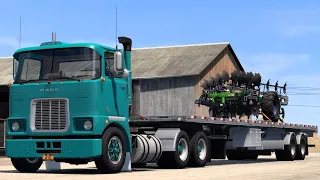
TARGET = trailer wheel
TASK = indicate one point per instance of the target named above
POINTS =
(113, 151)
(178, 158)
(27, 165)
(199, 150)
(270, 106)
(289, 152)
(302, 148)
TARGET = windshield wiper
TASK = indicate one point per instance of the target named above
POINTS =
(31, 80)
(68, 78)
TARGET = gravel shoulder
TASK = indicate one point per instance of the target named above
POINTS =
(265, 168)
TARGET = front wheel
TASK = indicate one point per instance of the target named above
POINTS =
(113, 151)
(27, 165)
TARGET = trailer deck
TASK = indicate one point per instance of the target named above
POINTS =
(153, 120)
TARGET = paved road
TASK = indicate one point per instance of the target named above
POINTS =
(266, 168)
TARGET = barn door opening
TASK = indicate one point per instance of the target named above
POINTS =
(4, 113)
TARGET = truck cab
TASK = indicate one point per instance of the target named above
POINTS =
(68, 103)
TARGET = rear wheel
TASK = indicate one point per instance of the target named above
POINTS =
(178, 158)
(27, 165)
(270, 106)
(289, 152)
(302, 148)
(199, 150)
(113, 151)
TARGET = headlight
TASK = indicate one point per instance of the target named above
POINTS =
(87, 125)
(15, 126)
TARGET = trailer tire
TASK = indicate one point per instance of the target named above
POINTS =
(270, 106)
(113, 138)
(289, 152)
(26, 165)
(198, 159)
(172, 159)
(235, 154)
(302, 148)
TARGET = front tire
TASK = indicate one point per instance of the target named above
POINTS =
(113, 151)
(27, 165)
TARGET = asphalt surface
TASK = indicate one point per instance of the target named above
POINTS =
(265, 168)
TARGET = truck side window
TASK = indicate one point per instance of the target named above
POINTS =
(108, 57)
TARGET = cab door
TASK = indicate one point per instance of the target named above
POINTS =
(117, 87)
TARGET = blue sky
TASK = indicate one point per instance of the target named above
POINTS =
(277, 39)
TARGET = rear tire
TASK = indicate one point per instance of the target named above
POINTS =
(302, 148)
(179, 158)
(270, 106)
(199, 150)
(113, 151)
(26, 165)
(289, 152)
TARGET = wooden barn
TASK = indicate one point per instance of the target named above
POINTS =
(5, 77)
(166, 80)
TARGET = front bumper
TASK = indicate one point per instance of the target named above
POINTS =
(60, 148)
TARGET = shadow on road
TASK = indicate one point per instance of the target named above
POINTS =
(149, 167)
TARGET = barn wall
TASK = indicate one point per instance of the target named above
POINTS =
(225, 61)
(4, 112)
(164, 96)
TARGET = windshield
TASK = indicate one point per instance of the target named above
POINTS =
(58, 64)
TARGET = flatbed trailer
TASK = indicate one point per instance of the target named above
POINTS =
(95, 121)
(235, 138)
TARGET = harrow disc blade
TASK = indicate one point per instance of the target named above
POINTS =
(204, 84)
(224, 76)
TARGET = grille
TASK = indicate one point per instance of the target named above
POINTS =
(51, 115)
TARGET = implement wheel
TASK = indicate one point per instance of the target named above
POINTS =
(270, 106)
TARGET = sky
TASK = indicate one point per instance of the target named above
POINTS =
(273, 38)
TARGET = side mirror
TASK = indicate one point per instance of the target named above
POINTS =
(118, 61)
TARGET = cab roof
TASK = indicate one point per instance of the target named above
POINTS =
(61, 45)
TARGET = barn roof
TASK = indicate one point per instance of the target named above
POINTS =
(155, 62)
(171, 61)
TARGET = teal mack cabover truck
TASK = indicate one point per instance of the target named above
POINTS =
(72, 103)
